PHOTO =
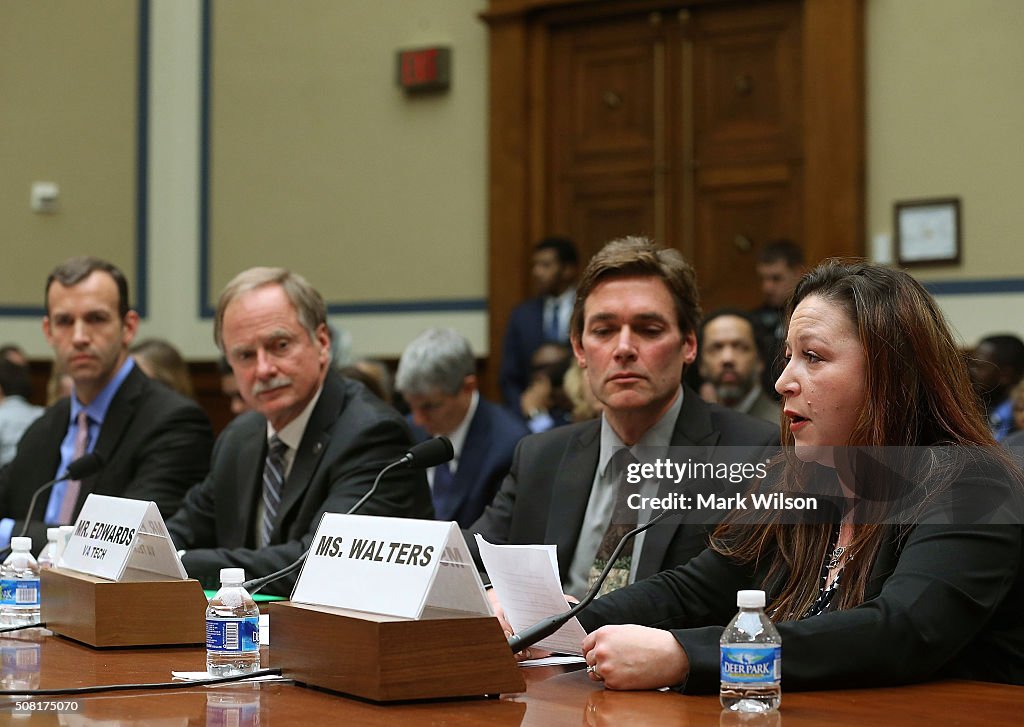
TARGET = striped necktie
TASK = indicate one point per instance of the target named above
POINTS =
(273, 484)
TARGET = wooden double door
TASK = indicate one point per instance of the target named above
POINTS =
(710, 126)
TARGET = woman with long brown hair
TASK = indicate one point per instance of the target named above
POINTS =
(922, 584)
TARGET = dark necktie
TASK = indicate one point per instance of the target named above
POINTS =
(623, 520)
(273, 484)
(551, 320)
(444, 494)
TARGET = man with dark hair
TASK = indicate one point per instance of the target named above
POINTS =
(730, 362)
(154, 442)
(633, 332)
(16, 414)
(312, 442)
(780, 263)
(996, 367)
(542, 319)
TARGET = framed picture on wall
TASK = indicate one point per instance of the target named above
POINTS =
(928, 231)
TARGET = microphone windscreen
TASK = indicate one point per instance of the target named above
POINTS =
(431, 453)
(85, 466)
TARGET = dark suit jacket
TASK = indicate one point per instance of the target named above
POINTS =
(155, 444)
(351, 435)
(544, 497)
(942, 601)
(523, 335)
(484, 461)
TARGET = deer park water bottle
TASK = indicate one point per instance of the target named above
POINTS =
(19, 585)
(751, 658)
(232, 628)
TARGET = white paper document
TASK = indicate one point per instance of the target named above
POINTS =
(525, 578)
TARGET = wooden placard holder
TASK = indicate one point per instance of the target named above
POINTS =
(387, 658)
(104, 613)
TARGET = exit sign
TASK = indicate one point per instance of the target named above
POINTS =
(424, 69)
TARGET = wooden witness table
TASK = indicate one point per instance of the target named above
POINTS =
(553, 697)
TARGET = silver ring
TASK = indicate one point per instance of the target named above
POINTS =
(591, 669)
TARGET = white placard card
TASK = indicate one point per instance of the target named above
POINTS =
(123, 540)
(390, 566)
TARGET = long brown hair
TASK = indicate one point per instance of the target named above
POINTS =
(917, 393)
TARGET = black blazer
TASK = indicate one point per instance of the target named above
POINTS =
(351, 435)
(942, 601)
(155, 444)
(544, 497)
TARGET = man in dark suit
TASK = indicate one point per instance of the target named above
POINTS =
(312, 442)
(437, 378)
(154, 442)
(633, 333)
(539, 320)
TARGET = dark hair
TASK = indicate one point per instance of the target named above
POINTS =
(917, 393)
(1008, 350)
(565, 249)
(14, 379)
(639, 256)
(782, 250)
(74, 270)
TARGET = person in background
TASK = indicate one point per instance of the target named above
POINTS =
(544, 402)
(312, 442)
(584, 404)
(936, 593)
(731, 363)
(229, 387)
(780, 263)
(16, 414)
(541, 319)
(996, 367)
(15, 354)
(437, 378)
(154, 443)
(160, 360)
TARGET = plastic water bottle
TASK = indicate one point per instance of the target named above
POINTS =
(19, 585)
(232, 628)
(48, 555)
(751, 651)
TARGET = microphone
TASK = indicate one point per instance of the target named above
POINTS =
(425, 454)
(85, 466)
(545, 627)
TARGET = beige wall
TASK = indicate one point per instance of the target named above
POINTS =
(945, 117)
(387, 200)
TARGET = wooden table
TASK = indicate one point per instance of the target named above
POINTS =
(553, 697)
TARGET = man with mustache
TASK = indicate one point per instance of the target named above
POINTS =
(633, 332)
(312, 442)
(154, 442)
(731, 362)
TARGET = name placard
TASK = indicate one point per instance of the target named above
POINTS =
(121, 539)
(390, 566)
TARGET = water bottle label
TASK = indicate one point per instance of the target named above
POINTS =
(17, 592)
(233, 634)
(744, 664)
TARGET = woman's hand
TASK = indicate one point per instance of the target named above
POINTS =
(635, 657)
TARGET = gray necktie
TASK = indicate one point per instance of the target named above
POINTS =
(273, 484)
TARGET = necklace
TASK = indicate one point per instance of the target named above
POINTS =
(837, 557)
